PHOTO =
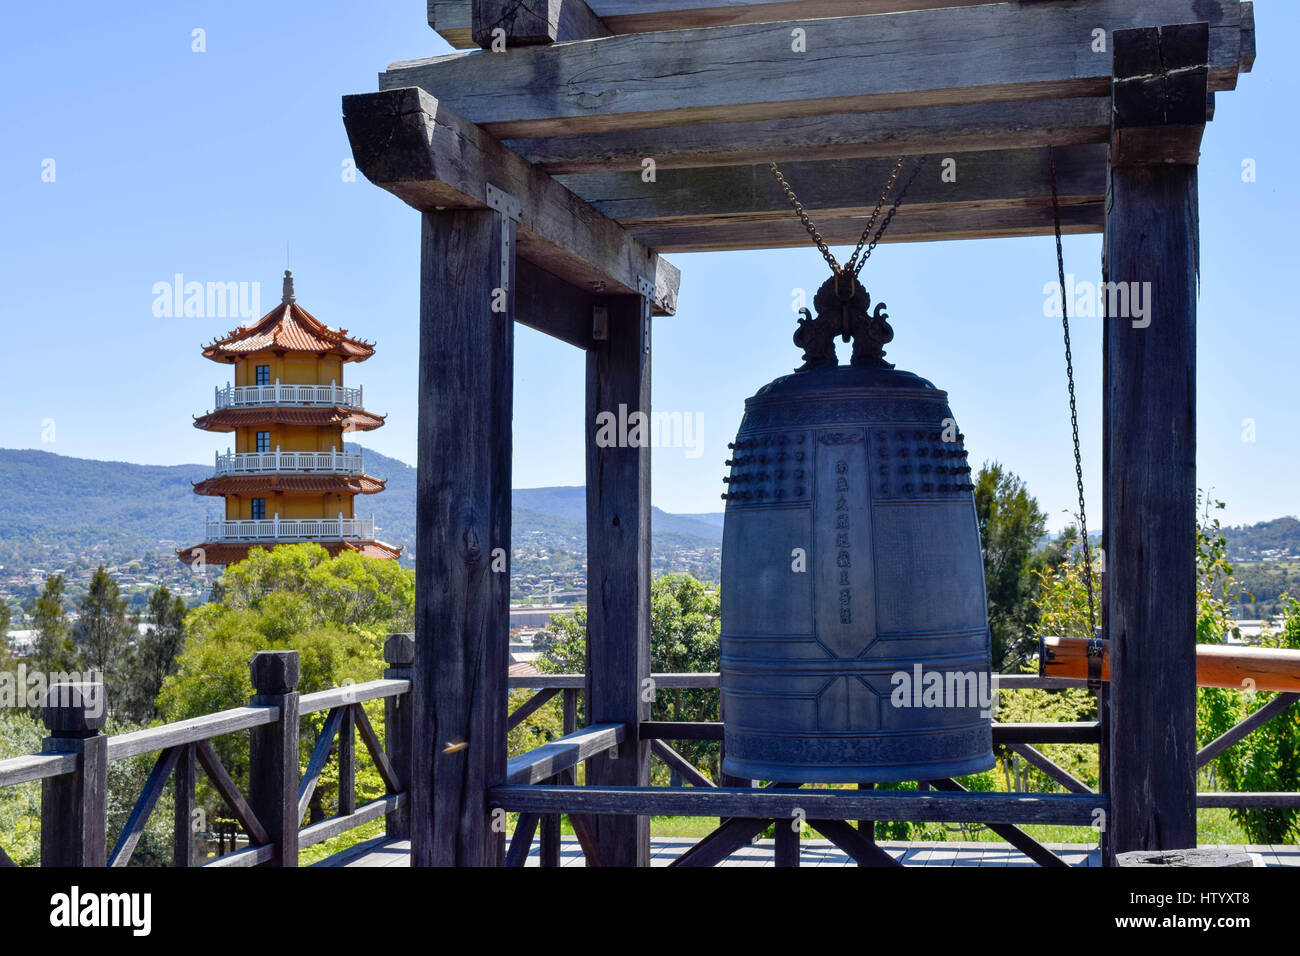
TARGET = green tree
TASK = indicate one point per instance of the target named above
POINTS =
(156, 653)
(52, 649)
(685, 624)
(284, 601)
(345, 590)
(104, 634)
(4, 618)
(1010, 524)
(1268, 759)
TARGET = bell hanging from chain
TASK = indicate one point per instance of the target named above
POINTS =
(855, 638)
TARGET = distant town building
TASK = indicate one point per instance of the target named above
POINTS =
(288, 478)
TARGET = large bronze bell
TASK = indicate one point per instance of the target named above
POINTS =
(855, 638)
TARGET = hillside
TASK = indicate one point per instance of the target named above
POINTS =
(116, 511)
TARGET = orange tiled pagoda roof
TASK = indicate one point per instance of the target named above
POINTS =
(230, 552)
(288, 328)
(228, 419)
(291, 484)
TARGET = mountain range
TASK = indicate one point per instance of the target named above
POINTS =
(55, 504)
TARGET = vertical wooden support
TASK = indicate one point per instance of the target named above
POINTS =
(74, 806)
(618, 564)
(786, 851)
(183, 816)
(347, 744)
(399, 653)
(463, 540)
(1151, 259)
(273, 754)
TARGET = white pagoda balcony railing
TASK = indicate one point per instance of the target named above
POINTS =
(295, 462)
(252, 396)
(291, 529)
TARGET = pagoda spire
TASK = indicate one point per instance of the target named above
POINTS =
(288, 295)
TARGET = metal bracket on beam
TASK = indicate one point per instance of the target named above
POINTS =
(507, 207)
(646, 288)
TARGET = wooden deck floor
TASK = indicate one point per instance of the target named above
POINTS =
(384, 852)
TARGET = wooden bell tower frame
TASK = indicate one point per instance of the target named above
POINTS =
(526, 168)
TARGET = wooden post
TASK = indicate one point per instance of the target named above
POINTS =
(786, 851)
(463, 546)
(399, 652)
(618, 564)
(74, 806)
(1151, 259)
(273, 754)
(347, 754)
(183, 816)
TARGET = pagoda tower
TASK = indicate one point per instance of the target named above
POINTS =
(288, 479)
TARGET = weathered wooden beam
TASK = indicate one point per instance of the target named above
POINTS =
(549, 304)
(679, 764)
(721, 195)
(421, 150)
(887, 133)
(544, 762)
(1255, 800)
(716, 846)
(1017, 837)
(1054, 732)
(453, 19)
(1152, 248)
(857, 844)
(1160, 94)
(225, 786)
(1048, 766)
(618, 566)
(528, 708)
(970, 54)
(463, 516)
(1074, 809)
(521, 841)
(914, 223)
(501, 24)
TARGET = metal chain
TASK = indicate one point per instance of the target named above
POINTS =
(1074, 415)
(888, 218)
(875, 213)
(836, 268)
(803, 217)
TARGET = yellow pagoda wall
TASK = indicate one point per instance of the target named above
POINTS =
(292, 506)
(290, 369)
(291, 437)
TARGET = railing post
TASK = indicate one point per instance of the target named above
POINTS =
(273, 753)
(74, 806)
(399, 728)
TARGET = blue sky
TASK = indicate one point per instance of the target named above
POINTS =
(207, 164)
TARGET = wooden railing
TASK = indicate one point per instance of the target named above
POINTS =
(293, 462)
(531, 784)
(251, 396)
(73, 767)
(539, 784)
